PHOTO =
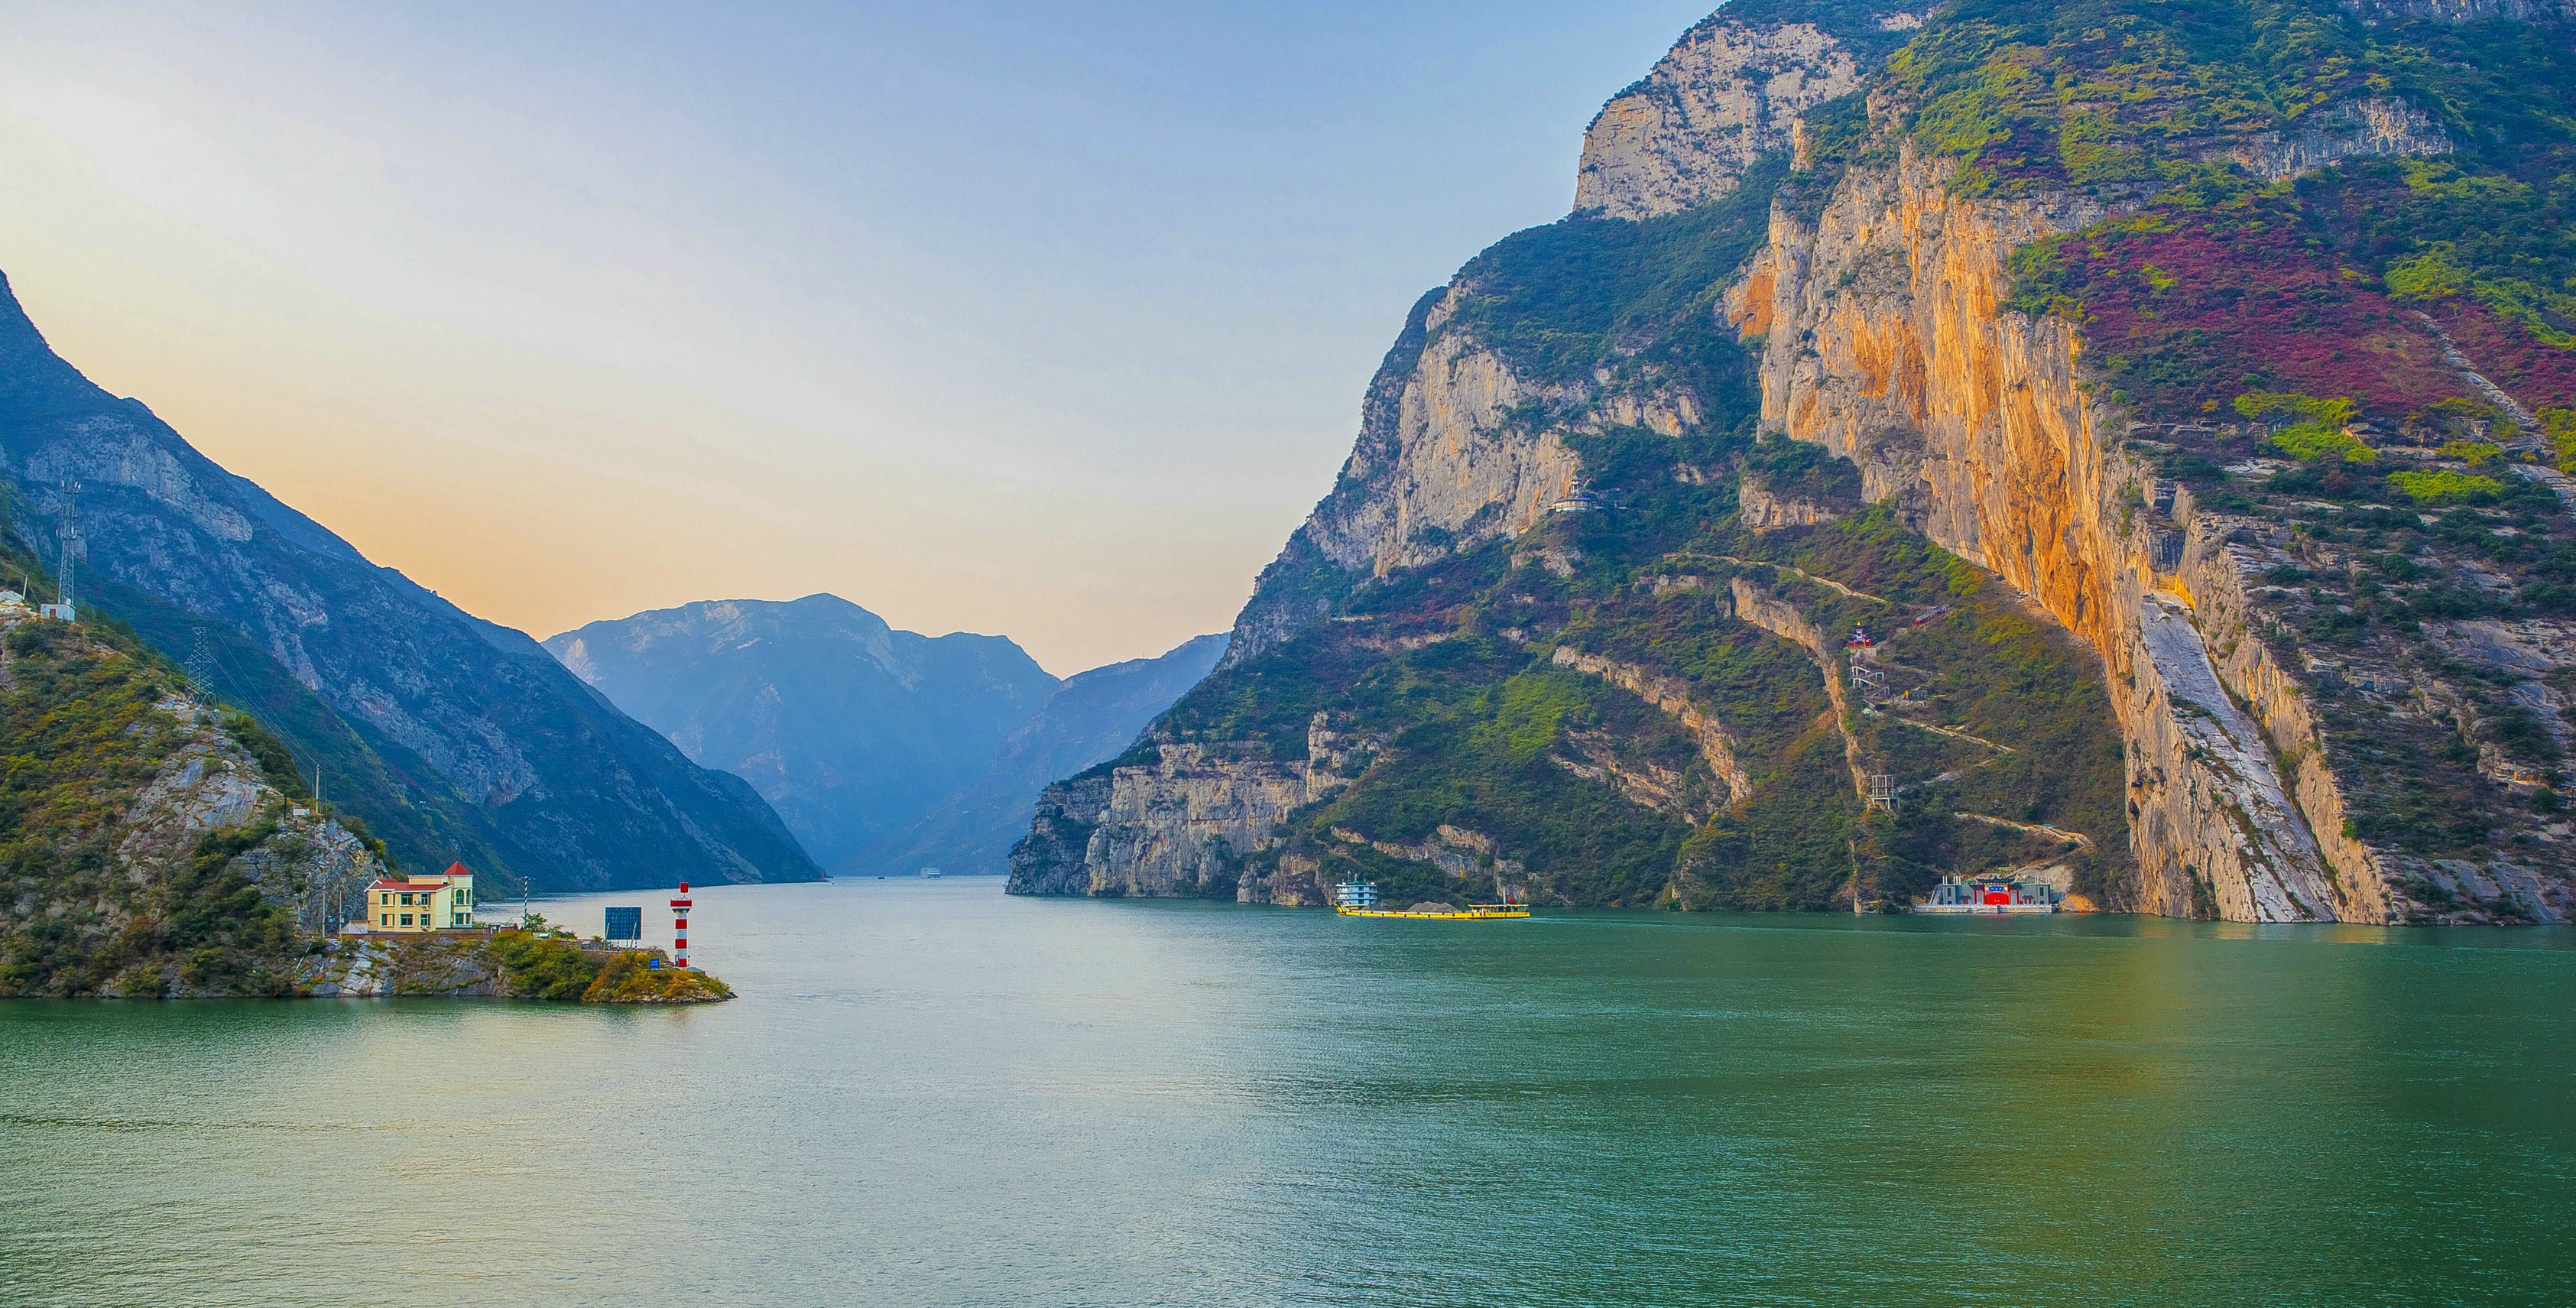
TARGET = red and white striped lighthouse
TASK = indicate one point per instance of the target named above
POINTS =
(680, 928)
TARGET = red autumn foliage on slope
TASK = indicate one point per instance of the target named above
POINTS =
(2533, 371)
(2187, 310)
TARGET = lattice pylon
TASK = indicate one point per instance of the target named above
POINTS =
(201, 667)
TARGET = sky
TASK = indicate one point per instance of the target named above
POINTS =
(1040, 319)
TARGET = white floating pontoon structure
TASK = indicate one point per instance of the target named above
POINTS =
(1990, 896)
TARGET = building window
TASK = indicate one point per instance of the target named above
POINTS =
(388, 920)
(406, 919)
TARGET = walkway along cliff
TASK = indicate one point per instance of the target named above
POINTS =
(2176, 427)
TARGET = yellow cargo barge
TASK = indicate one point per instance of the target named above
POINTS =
(1359, 899)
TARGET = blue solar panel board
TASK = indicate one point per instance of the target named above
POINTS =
(625, 924)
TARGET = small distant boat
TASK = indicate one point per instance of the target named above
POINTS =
(930, 873)
(1990, 896)
(1359, 899)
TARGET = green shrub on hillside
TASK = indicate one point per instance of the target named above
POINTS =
(625, 979)
(2444, 487)
(539, 967)
(1559, 301)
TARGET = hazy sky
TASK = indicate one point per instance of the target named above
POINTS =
(1042, 319)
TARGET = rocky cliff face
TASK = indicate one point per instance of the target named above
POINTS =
(1448, 458)
(2376, 12)
(1884, 341)
(2378, 127)
(1182, 825)
(1728, 93)
(2273, 613)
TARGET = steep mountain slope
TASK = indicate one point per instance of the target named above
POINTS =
(2209, 364)
(477, 743)
(1090, 718)
(151, 847)
(852, 730)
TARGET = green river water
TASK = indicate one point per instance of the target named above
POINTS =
(933, 1094)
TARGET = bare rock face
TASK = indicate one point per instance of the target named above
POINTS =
(1188, 820)
(1049, 860)
(1462, 467)
(1184, 824)
(2374, 12)
(2380, 127)
(1458, 467)
(1448, 457)
(1726, 94)
(1760, 510)
(1884, 345)
(208, 783)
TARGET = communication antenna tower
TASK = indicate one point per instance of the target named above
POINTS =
(71, 541)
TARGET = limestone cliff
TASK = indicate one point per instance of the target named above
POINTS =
(1457, 447)
(1884, 342)
(1181, 825)
(1728, 93)
(1514, 584)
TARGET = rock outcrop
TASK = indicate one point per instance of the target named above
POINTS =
(1760, 510)
(1728, 93)
(155, 856)
(2375, 12)
(1673, 696)
(2365, 129)
(1182, 825)
(1185, 822)
(1450, 455)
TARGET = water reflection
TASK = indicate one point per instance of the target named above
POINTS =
(936, 1095)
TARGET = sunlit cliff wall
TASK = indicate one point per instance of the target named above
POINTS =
(1883, 342)
(1880, 336)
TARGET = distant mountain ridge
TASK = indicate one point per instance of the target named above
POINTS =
(851, 729)
(883, 750)
(1091, 717)
(454, 737)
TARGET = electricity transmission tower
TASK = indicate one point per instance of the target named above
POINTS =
(201, 668)
(71, 541)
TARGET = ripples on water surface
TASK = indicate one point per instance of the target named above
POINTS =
(933, 1094)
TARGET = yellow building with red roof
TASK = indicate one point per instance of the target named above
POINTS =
(440, 902)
